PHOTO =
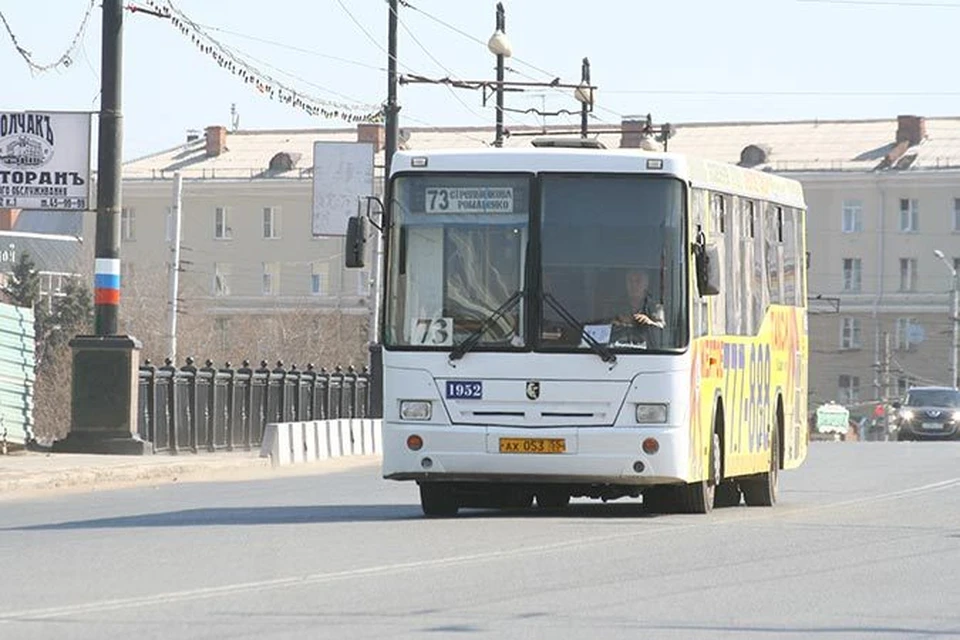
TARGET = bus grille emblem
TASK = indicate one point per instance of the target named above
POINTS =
(533, 389)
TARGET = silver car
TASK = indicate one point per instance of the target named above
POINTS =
(929, 413)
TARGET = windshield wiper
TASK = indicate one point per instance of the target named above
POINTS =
(598, 348)
(471, 340)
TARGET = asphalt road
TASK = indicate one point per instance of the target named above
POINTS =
(864, 543)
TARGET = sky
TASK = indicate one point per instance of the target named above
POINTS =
(681, 61)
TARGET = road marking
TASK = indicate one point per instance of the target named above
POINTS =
(315, 578)
(320, 578)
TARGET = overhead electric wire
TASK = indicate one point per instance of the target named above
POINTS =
(65, 59)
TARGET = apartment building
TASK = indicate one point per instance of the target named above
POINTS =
(883, 195)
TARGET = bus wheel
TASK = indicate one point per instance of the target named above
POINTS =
(659, 499)
(553, 498)
(761, 490)
(727, 494)
(438, 500)
(698, 497)
(515, 498)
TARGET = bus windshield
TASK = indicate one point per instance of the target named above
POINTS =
(613, 258)
(457, 261)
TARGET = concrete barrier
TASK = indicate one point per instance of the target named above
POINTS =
(298, 442)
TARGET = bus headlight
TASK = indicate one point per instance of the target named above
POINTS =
(906, 414)
(416, 409)
(651, 413)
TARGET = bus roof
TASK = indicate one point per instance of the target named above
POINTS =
(708, 174)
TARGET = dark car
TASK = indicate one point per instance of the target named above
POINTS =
(929, 413)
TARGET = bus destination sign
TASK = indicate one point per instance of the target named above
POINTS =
(469, 200)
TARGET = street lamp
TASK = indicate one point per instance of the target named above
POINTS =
(584, 95)
(499, 46)
(955, 316)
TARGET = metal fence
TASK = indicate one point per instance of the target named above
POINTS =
(191, 409)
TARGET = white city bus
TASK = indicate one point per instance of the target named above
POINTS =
(563, 321)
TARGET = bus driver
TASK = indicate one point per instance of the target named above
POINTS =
(636, 326)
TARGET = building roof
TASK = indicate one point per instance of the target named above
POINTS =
(50, 253)
(64, 223)
(807, 145)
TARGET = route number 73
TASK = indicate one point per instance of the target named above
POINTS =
(434, 332)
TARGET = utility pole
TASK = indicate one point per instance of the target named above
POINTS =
(954, 313)
(585, 104)
(392, 110)
(106, 365)
(955, 319)
(501, 30)
(175, 263)
(390, 116)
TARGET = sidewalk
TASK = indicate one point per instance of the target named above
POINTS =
(27, 474)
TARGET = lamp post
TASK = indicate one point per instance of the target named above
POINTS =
(955, 314)
(584, 95)
(104, 393)
(499, 46)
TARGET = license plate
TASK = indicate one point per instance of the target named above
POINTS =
(533, 445)
(933, 426)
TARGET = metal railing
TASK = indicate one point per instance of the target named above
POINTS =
(194, 409)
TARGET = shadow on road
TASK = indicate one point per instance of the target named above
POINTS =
(319, 514)
(233, 516)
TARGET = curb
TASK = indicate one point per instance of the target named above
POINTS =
(20, 483)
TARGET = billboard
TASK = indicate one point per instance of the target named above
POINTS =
(45, 160)
(342, 173)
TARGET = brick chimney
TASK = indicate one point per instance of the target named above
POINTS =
(372, 133)
(216, 140)
(911, 129)
(631, 133)
(8, 218)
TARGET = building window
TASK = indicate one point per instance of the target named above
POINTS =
(956, 214)
(956, 265)
(318, 279)
(908, 274)
(271, 278)
(221, 224)
(848, 389)
(852, 216)
(221, 279)
(909, 215)
(128, 224)
(908, 333)
(851, 274)
(271, 222)
(850, 333)
(169, 223)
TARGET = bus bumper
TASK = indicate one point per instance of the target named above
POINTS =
(594, 455)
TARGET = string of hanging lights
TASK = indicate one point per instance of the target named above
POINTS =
(261, 81)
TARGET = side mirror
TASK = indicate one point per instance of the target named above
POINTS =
(708, 269)
(356, 242)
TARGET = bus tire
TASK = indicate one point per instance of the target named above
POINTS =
(659, 499)
(553, 498)
(515, 498)
(727, 494)
(761, 490)
(698, 497)
(438, 500)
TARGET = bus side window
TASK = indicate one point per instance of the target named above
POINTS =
(773, 251)
(700, 210)
(790, 256)
(718, 303)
